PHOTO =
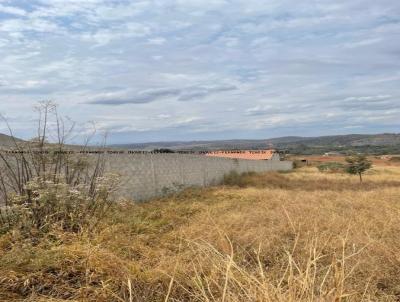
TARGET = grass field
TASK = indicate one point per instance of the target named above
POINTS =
(299, 236)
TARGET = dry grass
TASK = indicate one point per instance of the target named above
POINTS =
(301, 236)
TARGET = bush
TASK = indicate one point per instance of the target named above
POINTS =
(47, 206)
(298, 163)
(333, 167)
(44, 186)
(234, 178)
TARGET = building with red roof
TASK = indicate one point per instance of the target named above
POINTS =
(246, 154)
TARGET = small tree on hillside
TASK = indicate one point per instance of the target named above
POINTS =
(357, 164)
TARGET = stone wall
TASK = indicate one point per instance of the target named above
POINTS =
(144, 176)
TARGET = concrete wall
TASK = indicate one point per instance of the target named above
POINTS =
(144, 176)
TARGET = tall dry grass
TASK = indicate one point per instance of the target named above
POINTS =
(301, 236)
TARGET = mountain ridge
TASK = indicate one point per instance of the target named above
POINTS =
(383, 143)
(379, 142)
(352, 139)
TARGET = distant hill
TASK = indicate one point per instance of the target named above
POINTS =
(7, 141)
(370, 143)
(386, 143)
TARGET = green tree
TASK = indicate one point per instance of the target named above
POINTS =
(357, 164)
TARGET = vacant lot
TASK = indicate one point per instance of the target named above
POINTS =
(386, 160)
(300, 236)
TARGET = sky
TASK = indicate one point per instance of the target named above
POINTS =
(173, 70)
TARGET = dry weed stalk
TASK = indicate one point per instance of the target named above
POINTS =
(42, 183)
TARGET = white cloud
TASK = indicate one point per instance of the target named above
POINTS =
(157, 41)
(373, 98)
(230, 66)
(104, 36)
(362, 43)
(12, 10)
(25, 25)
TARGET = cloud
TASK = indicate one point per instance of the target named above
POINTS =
(195, 93)
(157, 41)
(363, 103)
(148, 96)
(281, 67)
(140, 98)
(268, 110)
(368, 99)
(156, 123)
(104, 36)
(13, 26)
(362, 43)
(12, 10)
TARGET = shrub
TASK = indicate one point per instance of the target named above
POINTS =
(332, 167)
(234, 178)
(43, 185)
(48, 205)
(299, 163)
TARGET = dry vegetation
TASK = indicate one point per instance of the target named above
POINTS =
(301, 236)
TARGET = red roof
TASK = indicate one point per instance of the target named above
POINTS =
(244, 154)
